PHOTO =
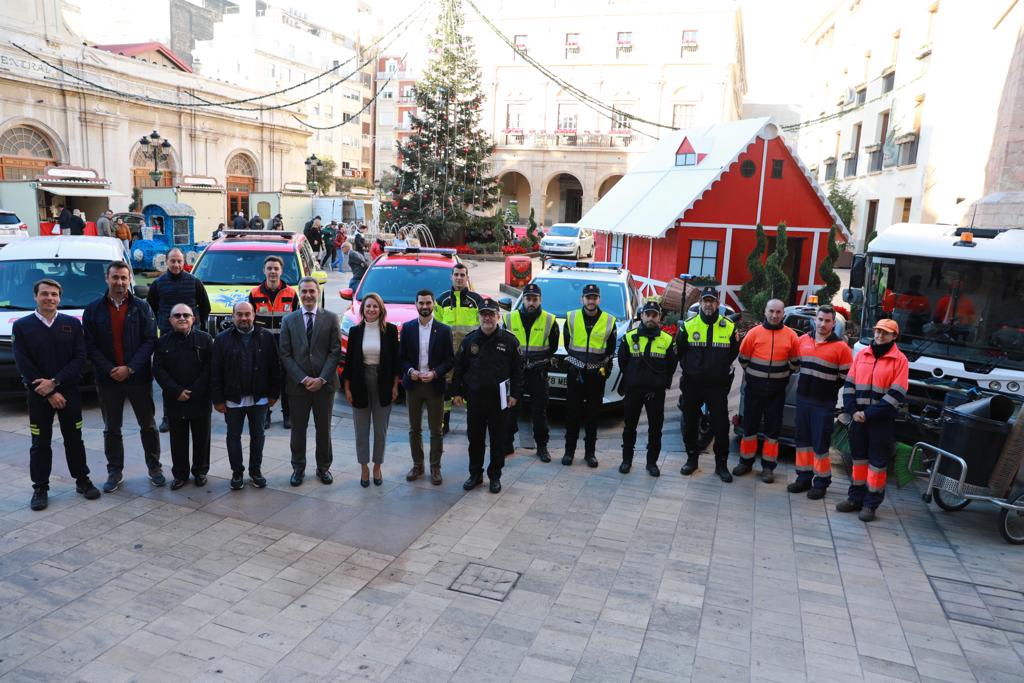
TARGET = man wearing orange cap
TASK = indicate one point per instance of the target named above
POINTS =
(875, 387)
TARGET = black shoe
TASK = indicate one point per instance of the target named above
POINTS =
(365, 483)
(266, 421)
(446, 427)
(741, 469)
(867, 515)
(112, 483)
(722, 470)
(567, 459)
(177, 484)
(87, 489)
(200, 480)
(378, 481)
(495, 486)
(590, 459)
(157, 479)
(287, 422)
(40, 500)
(325, 476)
(164, 426)
(237, 482)
(473, 481)
(257, 479)
(816, 494)
(653, 471)
(297, 477)
(849, 506)
(767, 476)
(624, 467)
(690, 467)
(799, 486)
(542, 453)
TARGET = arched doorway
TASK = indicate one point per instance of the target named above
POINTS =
(25, 153)
(607, 184)
(142, 167)
(564, 199)
(515, 187)
(241, 180)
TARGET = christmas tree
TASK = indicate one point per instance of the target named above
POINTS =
(443, 179)
(827, 270)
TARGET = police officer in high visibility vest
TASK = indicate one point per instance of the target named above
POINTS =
(707, 344)
(538, 335)
(271, 300)
(457, 308)
(589, 335)
(647, 361)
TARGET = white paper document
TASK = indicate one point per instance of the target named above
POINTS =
(504, 392)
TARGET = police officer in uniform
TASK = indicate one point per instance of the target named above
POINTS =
(538, 335)
(457, 308)
(589, 335)
(489, 376)
(707, 345)
(647, 361)
(271, 301)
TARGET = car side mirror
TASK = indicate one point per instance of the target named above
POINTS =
(854, 297)
(320, 276)
(346, 294)
(141, 291)
(857, 270)
(505, 302)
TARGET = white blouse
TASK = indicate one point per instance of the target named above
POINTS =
(371, 343)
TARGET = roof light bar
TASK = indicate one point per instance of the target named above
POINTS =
(598, 265)
(420, 250)
(276, 234)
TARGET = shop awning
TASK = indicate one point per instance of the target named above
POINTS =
(80, 191)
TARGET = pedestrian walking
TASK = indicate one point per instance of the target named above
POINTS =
(538, 335)
(239, 222)
(124, 233)
(647, 361)
(177, 286)
(824, 363)
(370, 379)
(329, 233)
(426, 356)
(245, 381)
(271, 301)
(874, 390)
(357, 264)
(310, 353)
(589, 335)
(488, 378)
(314, 235)
(49, 353)
(707, 346)
(120, 336)
(104, 227)
(457, 308)
(768, 355)
(359, 239)
(181, 366)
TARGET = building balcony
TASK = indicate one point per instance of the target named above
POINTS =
(406, 101)
(393, 75)
(585, 139)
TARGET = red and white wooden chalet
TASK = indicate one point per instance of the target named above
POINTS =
(692, 204)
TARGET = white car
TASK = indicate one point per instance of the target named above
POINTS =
(565, 240)
(11, 228)
(561, 288)
(78, 263)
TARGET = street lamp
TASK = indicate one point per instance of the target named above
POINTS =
(153, 149)
(312, 166)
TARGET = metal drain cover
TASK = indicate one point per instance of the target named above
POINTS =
(485, 582)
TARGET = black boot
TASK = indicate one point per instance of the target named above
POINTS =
(542, 452)
(447, 423)
(722, 470)
(691, 464)
(742, 468)
(627, 463)
(164, 426)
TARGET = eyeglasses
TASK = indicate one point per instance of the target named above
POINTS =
(181, 315)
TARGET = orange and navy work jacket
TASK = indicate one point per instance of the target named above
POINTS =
(769, 356)
(877, 386)
(823, 368)
(271, 306)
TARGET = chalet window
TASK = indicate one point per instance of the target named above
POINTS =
(703, 258)
(689, 159)
(776, 168)
(616, 255)
(748, 169)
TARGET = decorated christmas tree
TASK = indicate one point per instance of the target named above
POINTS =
(443, 178)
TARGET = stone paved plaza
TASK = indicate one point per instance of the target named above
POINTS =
(619, 577)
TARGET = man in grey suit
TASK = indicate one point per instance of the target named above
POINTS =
(310, 349)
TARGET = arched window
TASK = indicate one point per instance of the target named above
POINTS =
(142, 166)
(25, 153)
(242, 165)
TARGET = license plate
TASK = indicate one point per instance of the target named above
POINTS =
(557, 381)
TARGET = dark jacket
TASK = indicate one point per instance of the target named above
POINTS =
(64, 221)
(76, 226)
(703, 361)
(358, 264)
(315, 237)
(359, 242)
(642, 371)
(256, 223)
(238, 370)
(56, 352)
(387, 370)
(239, 223)
(139, 339)
(183, 362)
(169, 290)
(485, 361)
(440, 354)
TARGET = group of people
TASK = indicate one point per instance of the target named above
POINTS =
(239, 222)
(458, 351)
(73, 222)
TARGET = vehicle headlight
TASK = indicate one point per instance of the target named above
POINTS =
(995, 385)
(347, 324)
(1013, 386)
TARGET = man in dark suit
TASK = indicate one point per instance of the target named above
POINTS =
(426, 355)
(310, 347)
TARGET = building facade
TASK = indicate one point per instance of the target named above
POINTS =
(48, 118)
(679, 64)
(397, 101)
(903, 112)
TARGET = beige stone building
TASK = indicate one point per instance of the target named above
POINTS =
(677, 63)
(48, 118)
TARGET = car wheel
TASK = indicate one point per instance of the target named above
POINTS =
(577, 253)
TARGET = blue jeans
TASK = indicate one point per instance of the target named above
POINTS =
(235, 419)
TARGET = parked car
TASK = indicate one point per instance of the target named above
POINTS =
(11, 227)
(565, 240)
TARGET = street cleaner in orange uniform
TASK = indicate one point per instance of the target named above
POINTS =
(874, 391)
(824, 362)
(768, 356)
(271, 300)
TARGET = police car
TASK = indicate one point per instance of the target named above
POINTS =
(561, 288)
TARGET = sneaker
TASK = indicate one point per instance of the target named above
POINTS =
(799, 486)
(257, 479)
(768, 476)
(237, 482)
(177, 484)
(816, 494)
(867, 515)
(157, 479)
(849, 506)
(87, 489)
(741, 469)
(40, 500)
(112, 483)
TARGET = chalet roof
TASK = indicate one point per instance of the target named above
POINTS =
(134, 49)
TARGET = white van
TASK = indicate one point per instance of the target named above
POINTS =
(78, 263)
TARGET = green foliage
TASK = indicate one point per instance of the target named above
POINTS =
(842, 199)
(827, 272)
(777, 285)
(512, 213)
(758, 281)
(532, 234)
(325, 178)
(136, 204)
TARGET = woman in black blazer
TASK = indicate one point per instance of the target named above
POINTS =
(371, 378)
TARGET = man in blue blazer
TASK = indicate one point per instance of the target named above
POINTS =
(426, 356)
